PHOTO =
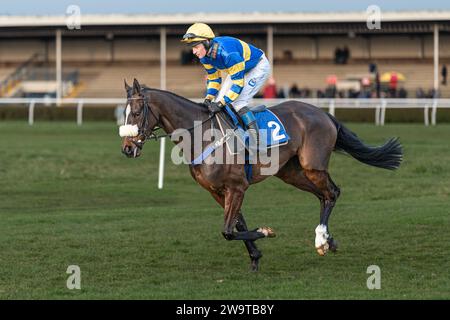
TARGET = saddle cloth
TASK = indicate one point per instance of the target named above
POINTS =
(271, 130)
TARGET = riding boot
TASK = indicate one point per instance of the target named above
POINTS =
(249, 120)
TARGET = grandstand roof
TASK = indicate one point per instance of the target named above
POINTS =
(222, 18)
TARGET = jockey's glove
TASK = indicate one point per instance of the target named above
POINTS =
(215, 107)
(206, 103)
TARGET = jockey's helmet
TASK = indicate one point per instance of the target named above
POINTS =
(197, 33)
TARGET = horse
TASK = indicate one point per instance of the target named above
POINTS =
(302, 163)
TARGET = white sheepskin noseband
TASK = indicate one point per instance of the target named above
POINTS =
(128, 130)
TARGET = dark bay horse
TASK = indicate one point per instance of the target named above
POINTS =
(303, 162)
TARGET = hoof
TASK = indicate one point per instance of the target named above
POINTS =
(228, 236)
(323, 249)
(268, 232)
(255, 265)
(333, 245)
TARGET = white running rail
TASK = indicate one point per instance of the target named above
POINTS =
(378, 105)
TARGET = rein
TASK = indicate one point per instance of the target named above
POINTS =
(142, 130)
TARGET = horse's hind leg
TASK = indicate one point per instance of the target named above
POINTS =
(314, 156)
(320, 184)
(330, 192)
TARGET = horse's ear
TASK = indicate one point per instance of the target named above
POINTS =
(136, 87)
(127, 87)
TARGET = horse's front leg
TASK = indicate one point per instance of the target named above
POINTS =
(253, 251)
(233, 202)
(241, 226)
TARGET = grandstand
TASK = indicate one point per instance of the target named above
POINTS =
(104, 82)
(109, 48)
(188, 81)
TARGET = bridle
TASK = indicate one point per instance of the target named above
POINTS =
(143, 134)
(143, 128)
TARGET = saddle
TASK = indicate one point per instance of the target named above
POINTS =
(272, 130)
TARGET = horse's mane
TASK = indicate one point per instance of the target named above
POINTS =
(176, 96)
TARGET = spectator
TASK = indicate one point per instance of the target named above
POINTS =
(270, 91)
(306, 93)
(330, 91)
(287, 55)
(353, 93)
(345, 55)
(281, 94)
(433, 94)
(444, 75)
(377, 84)
(320, 94)
(373, 67)
(420, 93)
(402, 93)
(393, 82)
(285, 89)
(365, 88)
(294, 92)
(337, 55)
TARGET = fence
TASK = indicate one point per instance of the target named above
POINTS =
(378, 105)
(31, 103)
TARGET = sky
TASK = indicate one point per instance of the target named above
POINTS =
(58, 7)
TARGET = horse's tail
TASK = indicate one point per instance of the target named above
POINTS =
(388, 156)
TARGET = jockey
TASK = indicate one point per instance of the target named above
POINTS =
(246, 66)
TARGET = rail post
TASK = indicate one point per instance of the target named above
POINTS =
(31, 113)
(161, 163)
(80, 113)
(331, 107)
(377, 114)
(383, 112)
(426, 121)
(433, 112)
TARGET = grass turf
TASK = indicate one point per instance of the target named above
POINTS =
(69, 197)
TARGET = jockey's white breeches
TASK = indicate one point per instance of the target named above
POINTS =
(253, 81)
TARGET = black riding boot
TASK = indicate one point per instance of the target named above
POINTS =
(253, 130)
